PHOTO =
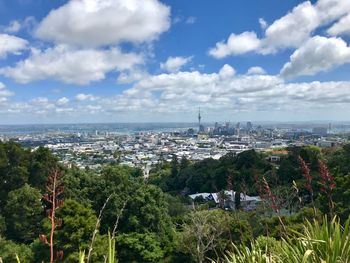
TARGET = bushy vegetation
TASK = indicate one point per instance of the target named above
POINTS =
(317, 243)
(117, 215)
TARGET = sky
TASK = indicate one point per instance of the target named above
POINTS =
(81, 61)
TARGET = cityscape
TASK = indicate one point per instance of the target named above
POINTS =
(160, 131)
(94, 145)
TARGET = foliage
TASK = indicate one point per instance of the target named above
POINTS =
(23, 213)
(9, 249)
(329, 241)
(272, 227)
(41, 163)
(134, 205)
(109, 254)
(204, 231)
(237, 200)
(2, 225)
(176, 208)
(19, 166)
(13, 169)
(211, 175)
(139, 247)
(77, 227)
(152, 226)
(240, 231)
(325, 242)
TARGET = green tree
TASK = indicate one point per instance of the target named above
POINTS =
(238, 200)
(146, 211)
(23, 213)
(2, 225)
(174, 166)
(341, 197)
(19, 166)
(205, 232)
(117, 156)
(41, 163)
(78, 224)
(240, 231)
(184, 163)
(176, 208)
(139, 247)
(289, 170)
(9, 250)
(80, 185)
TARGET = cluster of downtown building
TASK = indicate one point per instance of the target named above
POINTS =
(146, 149)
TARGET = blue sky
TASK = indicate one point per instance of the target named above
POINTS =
(150, 60)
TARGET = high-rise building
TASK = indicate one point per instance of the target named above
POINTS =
(199, 117)
(320, 131)
(249, 126)
(200, 126)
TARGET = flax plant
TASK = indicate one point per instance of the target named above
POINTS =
(327, 185)
(325, 242)
(272, 200)
(308, 178)
(53, 200)
(111, 252)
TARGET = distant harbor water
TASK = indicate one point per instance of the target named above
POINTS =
(122, 128)
(132, 128)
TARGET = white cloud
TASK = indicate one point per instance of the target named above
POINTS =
(323, 93)
(131, 76)
(236, 45)
(182, 92)
(227, 71)
(77, 66)
(289, 31)
(177, 19)
(104, 22)
(342, 27)
(40, 101)
(29, 23)
(292, 29)
(39, 107)
(174, 64)
(256, 71)
(316, 55)
(4, 93)
(11, 45)
(177, 92)
(13, 27)
(181, 19)
(330, 10)
(263, 23)
(191, 20)
(62, 101)
(85, 97)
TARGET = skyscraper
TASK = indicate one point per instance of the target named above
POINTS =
(249, 126)
(200, 126)
(199, 118)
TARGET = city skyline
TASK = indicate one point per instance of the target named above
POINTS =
(82, 61)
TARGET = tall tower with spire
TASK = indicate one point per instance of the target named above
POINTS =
(199, 118)
(200, 126)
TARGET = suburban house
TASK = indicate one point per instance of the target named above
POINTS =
(227, 199)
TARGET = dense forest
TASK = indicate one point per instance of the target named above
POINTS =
(154, 220)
